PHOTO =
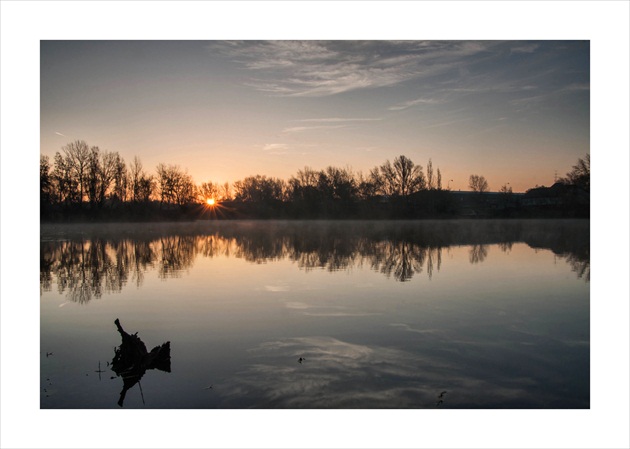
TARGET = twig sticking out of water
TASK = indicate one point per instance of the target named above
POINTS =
(99, 371)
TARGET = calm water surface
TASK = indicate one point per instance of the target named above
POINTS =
(316, 315)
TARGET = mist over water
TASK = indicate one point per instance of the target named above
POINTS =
(319, 314)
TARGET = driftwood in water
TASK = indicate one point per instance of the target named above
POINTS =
(132, 360)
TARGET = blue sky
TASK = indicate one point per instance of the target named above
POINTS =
(514, 111)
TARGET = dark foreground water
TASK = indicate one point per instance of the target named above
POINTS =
(431, 314)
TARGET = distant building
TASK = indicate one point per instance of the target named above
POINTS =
(559, 194)
(475, 204)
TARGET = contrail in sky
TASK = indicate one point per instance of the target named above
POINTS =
(59, 134)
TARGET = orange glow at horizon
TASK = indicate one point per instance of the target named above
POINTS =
(338, 104)
(211, 201)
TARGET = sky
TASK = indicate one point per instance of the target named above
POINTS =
(516, 112)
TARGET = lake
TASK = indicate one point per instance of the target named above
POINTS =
(316, 314)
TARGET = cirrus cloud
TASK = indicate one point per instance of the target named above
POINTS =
(322, 68)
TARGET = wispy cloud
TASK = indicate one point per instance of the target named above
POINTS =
(321, 68)
(341, 314)
(438, 123)
(275, 147)
(282, 149)
(296, 305)
(277, 288)
(408, 328)
(491, 86)
(410, 103)
(452, 90)
(577, 87)
(435, 75)
(466, 86)
(326, 123)
(530, 100)
(337, 120)
(299, 129)
(528, 48)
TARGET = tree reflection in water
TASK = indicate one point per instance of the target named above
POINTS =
(176, 253)
(582, 267)
(97, 260)
(478, 253)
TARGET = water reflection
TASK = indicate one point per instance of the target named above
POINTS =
(478, 253)
(441, 371)
(87, 261)
(131, 360)
(334, 374)
(582, 267)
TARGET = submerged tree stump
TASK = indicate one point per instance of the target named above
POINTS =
(131, 359)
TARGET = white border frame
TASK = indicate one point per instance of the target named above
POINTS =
(605, 24)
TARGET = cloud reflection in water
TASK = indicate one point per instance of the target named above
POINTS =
(340, 374)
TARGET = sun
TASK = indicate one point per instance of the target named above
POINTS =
(210, 201)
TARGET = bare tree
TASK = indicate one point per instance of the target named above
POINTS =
(430, 185)
(120, 179)
(66, 185)
(439, 179)
(107, 173)
(259, 189)
(142, 185)
(408, 176)
(580, 175)
(207, 190)
(93, 175)
(101, 172)
(478, 183)
(388, 179)
(401, 178)
(45, 181)
(146, 188)
(304, 185)
(337, 184)
(367, 186)
(135, 173)
(165, 183)
(307, 177)
(174, 185)
(185, 192)
(77, 156)
(226, 195)
(375, 182)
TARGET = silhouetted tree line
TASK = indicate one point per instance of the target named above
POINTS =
(94, 259)
(580, 175)
(86, 183)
